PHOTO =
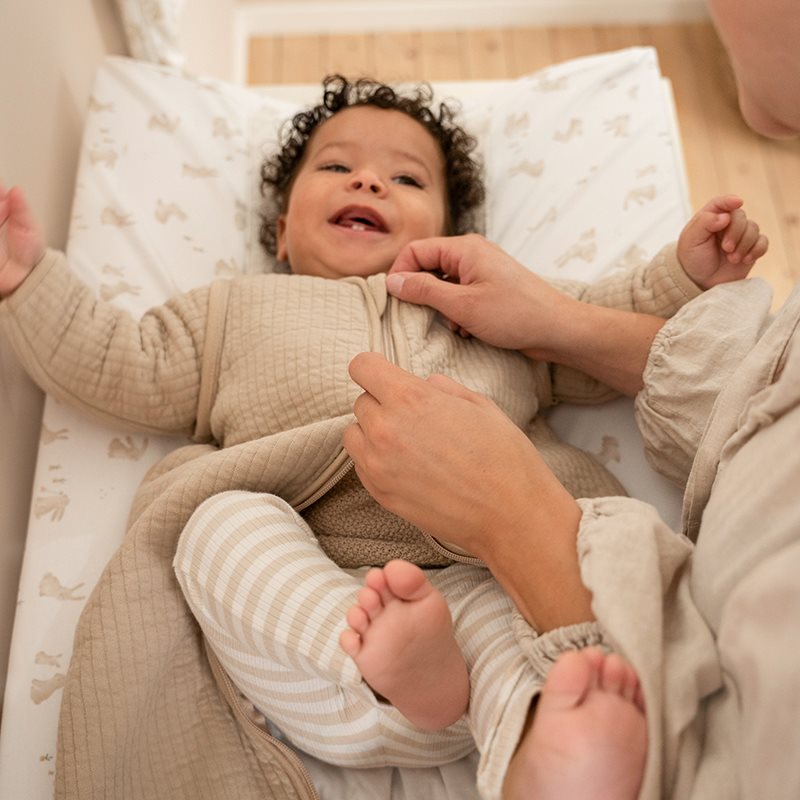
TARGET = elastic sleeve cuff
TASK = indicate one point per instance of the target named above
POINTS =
(668, 257)
(692, 357)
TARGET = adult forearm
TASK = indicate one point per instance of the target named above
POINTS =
(610, 345)
(537, 563)
(451, 463)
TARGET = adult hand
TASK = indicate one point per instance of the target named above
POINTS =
(450, 462)
(493, 297)
(486, 294)
(441, 456)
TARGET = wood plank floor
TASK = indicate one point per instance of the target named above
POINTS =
(721, 153)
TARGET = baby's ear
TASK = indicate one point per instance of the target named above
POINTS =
(281, 250)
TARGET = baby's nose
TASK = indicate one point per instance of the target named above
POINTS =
(365, 180)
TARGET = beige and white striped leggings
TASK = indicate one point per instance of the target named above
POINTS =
(272, 606)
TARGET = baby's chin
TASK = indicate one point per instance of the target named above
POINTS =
(347, 269)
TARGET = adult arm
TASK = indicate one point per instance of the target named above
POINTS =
(491, 296)
(624, 314)
(607, 329)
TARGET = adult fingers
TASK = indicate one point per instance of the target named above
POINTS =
(354, 440)
(425, 289)
(451, 387)
(364, 405)
(435, 253)
(381, 379)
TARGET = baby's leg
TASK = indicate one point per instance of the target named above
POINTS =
(587, 737)
(401, 638)
(272, 605)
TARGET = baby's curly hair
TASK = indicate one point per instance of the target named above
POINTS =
(465, 190)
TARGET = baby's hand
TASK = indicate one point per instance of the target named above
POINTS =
(21, 240)
(719, 243)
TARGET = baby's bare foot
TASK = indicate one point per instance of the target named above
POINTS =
(588, 736)
(401, 638)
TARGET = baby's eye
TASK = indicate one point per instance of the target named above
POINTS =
(334, 168)
(408, 180)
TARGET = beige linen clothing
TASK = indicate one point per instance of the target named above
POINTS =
(712, 628)
(146, 711)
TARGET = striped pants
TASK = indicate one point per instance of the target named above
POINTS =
(272, 606)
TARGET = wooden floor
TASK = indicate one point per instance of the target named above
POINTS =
(721, 153)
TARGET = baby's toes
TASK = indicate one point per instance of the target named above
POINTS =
(350, 642)
(371, 601)
(358, 620)
(375, 579)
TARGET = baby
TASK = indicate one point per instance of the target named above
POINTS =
(360, 176)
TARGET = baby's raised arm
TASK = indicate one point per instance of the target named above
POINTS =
(139, 374)
(21, 240)
(719, 243)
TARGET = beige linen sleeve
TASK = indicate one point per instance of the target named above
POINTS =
(638, 572)
(692, 358)
(141, 374)
(659, 288)
(744, 579)
(758, 643)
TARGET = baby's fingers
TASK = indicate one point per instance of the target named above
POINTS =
(756, 250)
(4, 204)
(18, 208)
(725, 202)
(703, 227)
(732, 236)
(751, 245)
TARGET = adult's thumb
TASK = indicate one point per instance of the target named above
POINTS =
(422, 288)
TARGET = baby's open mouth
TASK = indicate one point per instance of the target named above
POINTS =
(360, 218)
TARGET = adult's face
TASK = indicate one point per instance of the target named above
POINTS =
(763, 40)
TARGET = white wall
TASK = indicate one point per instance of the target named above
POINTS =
(207, 36)
(48, 54)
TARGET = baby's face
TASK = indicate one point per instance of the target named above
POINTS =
(371, 181)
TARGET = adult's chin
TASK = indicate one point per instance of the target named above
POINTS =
(766, 123)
